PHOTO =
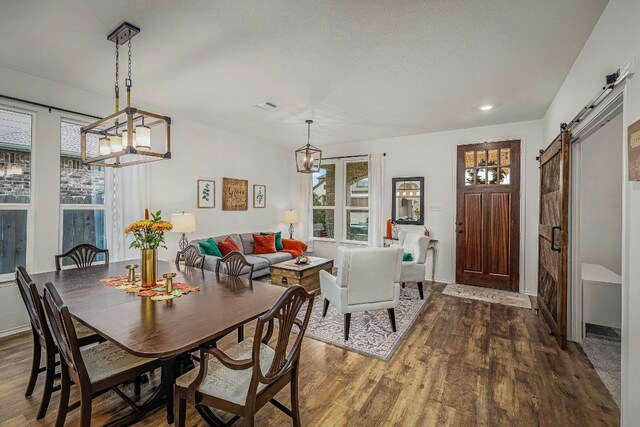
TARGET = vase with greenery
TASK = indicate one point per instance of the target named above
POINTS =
(148, 236)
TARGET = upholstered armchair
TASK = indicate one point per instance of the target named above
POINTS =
(368, 279)
(415, 270)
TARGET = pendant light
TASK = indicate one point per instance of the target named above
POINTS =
(308, 157)
(142, 137)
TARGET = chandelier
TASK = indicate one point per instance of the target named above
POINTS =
(125, 135)
(308, 157)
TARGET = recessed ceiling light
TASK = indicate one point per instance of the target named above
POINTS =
(486, 107)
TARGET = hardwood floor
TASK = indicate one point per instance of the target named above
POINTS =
(464, 363)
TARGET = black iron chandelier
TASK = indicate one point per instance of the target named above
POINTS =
(308, 157)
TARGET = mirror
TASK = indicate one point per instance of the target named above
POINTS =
(408, 200)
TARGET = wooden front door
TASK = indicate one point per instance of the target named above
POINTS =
(488, 215)
(553, 242)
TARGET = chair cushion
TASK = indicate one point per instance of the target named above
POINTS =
(106, 360)
(228, 384)
(264, 244)
(412, 272)
(227, 246)
(276, 257)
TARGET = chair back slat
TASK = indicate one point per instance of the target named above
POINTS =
(82, 255)
(33, 305)
(234, 262)
(64, 332)
(191, 256)
(286, 311)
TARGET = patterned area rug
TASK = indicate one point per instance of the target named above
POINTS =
(489, 295)
(370, 333)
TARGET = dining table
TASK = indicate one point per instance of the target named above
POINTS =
(162, 329)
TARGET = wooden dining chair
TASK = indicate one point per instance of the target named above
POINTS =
(42, 339)
(94, 370)
(251, 373)
(82, 255)
(191, 257)
(234, 264)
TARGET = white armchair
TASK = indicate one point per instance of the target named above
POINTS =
(367, 280)
(416, 270)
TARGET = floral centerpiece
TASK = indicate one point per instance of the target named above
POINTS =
(148, 236)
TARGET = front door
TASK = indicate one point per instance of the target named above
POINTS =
(553, 242)
(488, 215)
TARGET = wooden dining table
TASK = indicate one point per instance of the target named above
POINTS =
(166, 329)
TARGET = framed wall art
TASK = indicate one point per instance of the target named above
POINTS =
(259, 196)
(235, 194)
(206, 193)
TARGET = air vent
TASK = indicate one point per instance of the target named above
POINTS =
(267, 105)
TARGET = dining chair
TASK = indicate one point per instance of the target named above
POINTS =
(42, 339)
(94, 370)
(248, 375)
(82, 255)
(191, 256)
(234, 264)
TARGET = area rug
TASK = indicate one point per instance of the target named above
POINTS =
(489, 295)
(603, 348)
(370, 333)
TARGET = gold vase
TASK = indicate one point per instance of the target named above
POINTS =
(149, 262)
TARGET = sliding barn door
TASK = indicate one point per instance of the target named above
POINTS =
(553, 236)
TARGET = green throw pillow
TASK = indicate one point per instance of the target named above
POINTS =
(279, 246)
(210, 248)
(407, 257)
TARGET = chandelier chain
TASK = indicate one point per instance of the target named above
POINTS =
(129, 59)
(117, 67)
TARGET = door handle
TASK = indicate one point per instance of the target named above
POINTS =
(553, 238)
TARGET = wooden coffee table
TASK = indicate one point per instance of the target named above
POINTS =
(288, 273)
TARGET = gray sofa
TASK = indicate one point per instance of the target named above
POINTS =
(261, 263)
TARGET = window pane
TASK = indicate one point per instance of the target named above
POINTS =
(323, 223)
(505, 156)
(468, 159)
(79, 184)
(13, 240)
(493, 175)
(505, 175)
(324, 186)
(469, 175)
(493, 157)
(481, 178)
(357, 184)
(481, 157)
(357, 225)
(83, 226)
(15, 157)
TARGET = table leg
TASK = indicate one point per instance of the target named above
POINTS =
(168, 378)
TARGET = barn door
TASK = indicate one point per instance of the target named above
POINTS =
(553, 233)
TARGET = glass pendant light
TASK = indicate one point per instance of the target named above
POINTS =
(125, 138)
(115, 143)
(105, 146)
(143, 137)
(308, 157)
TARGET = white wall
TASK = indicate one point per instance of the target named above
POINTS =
(601, 197)
(614, 40)
(199, 151)
(433, 156)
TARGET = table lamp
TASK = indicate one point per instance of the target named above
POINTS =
(290, 217)
(183, 223)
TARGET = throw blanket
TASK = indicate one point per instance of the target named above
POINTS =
(294, 247)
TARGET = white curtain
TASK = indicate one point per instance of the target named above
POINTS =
(125, 201)
(305, 209)
(376, 200)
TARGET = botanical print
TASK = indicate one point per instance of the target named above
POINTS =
(235, 194)
(259, 196)
(206, 193)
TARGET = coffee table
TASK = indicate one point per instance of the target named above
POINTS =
(288, 273)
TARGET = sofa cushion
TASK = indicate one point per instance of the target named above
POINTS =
(235, 237)
(278, 235)
(227, 246)
(275, 258)
(247, 242)
(264, 244)
(258, 262)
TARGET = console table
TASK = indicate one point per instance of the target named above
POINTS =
(432, 247)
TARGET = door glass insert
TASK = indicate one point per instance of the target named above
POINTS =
(493, 175)
(481, 158)
(481, 177)
(468, 159)
(493, 157)
(505, 175)
(469, 174)
(505, 156)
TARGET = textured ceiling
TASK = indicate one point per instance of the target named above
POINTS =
(360, 69)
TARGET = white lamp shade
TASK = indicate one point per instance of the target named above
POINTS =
(105, 146)
(290, 217)
(143, 137)
(183, 222)
(125, 138)
(115, 143)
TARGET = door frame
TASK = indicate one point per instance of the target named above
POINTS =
(523, 205)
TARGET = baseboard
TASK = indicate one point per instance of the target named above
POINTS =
(14, 331)
(531, 294)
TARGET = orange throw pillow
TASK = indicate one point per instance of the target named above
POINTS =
(264, 244)
(294, 247)
(227, 246)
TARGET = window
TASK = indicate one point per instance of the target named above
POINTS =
(15, 188)
(356, 206)
(324, 201)
(81, 192)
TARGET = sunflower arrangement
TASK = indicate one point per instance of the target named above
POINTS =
(148, 233)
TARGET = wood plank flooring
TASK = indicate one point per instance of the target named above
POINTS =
(464, 363)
